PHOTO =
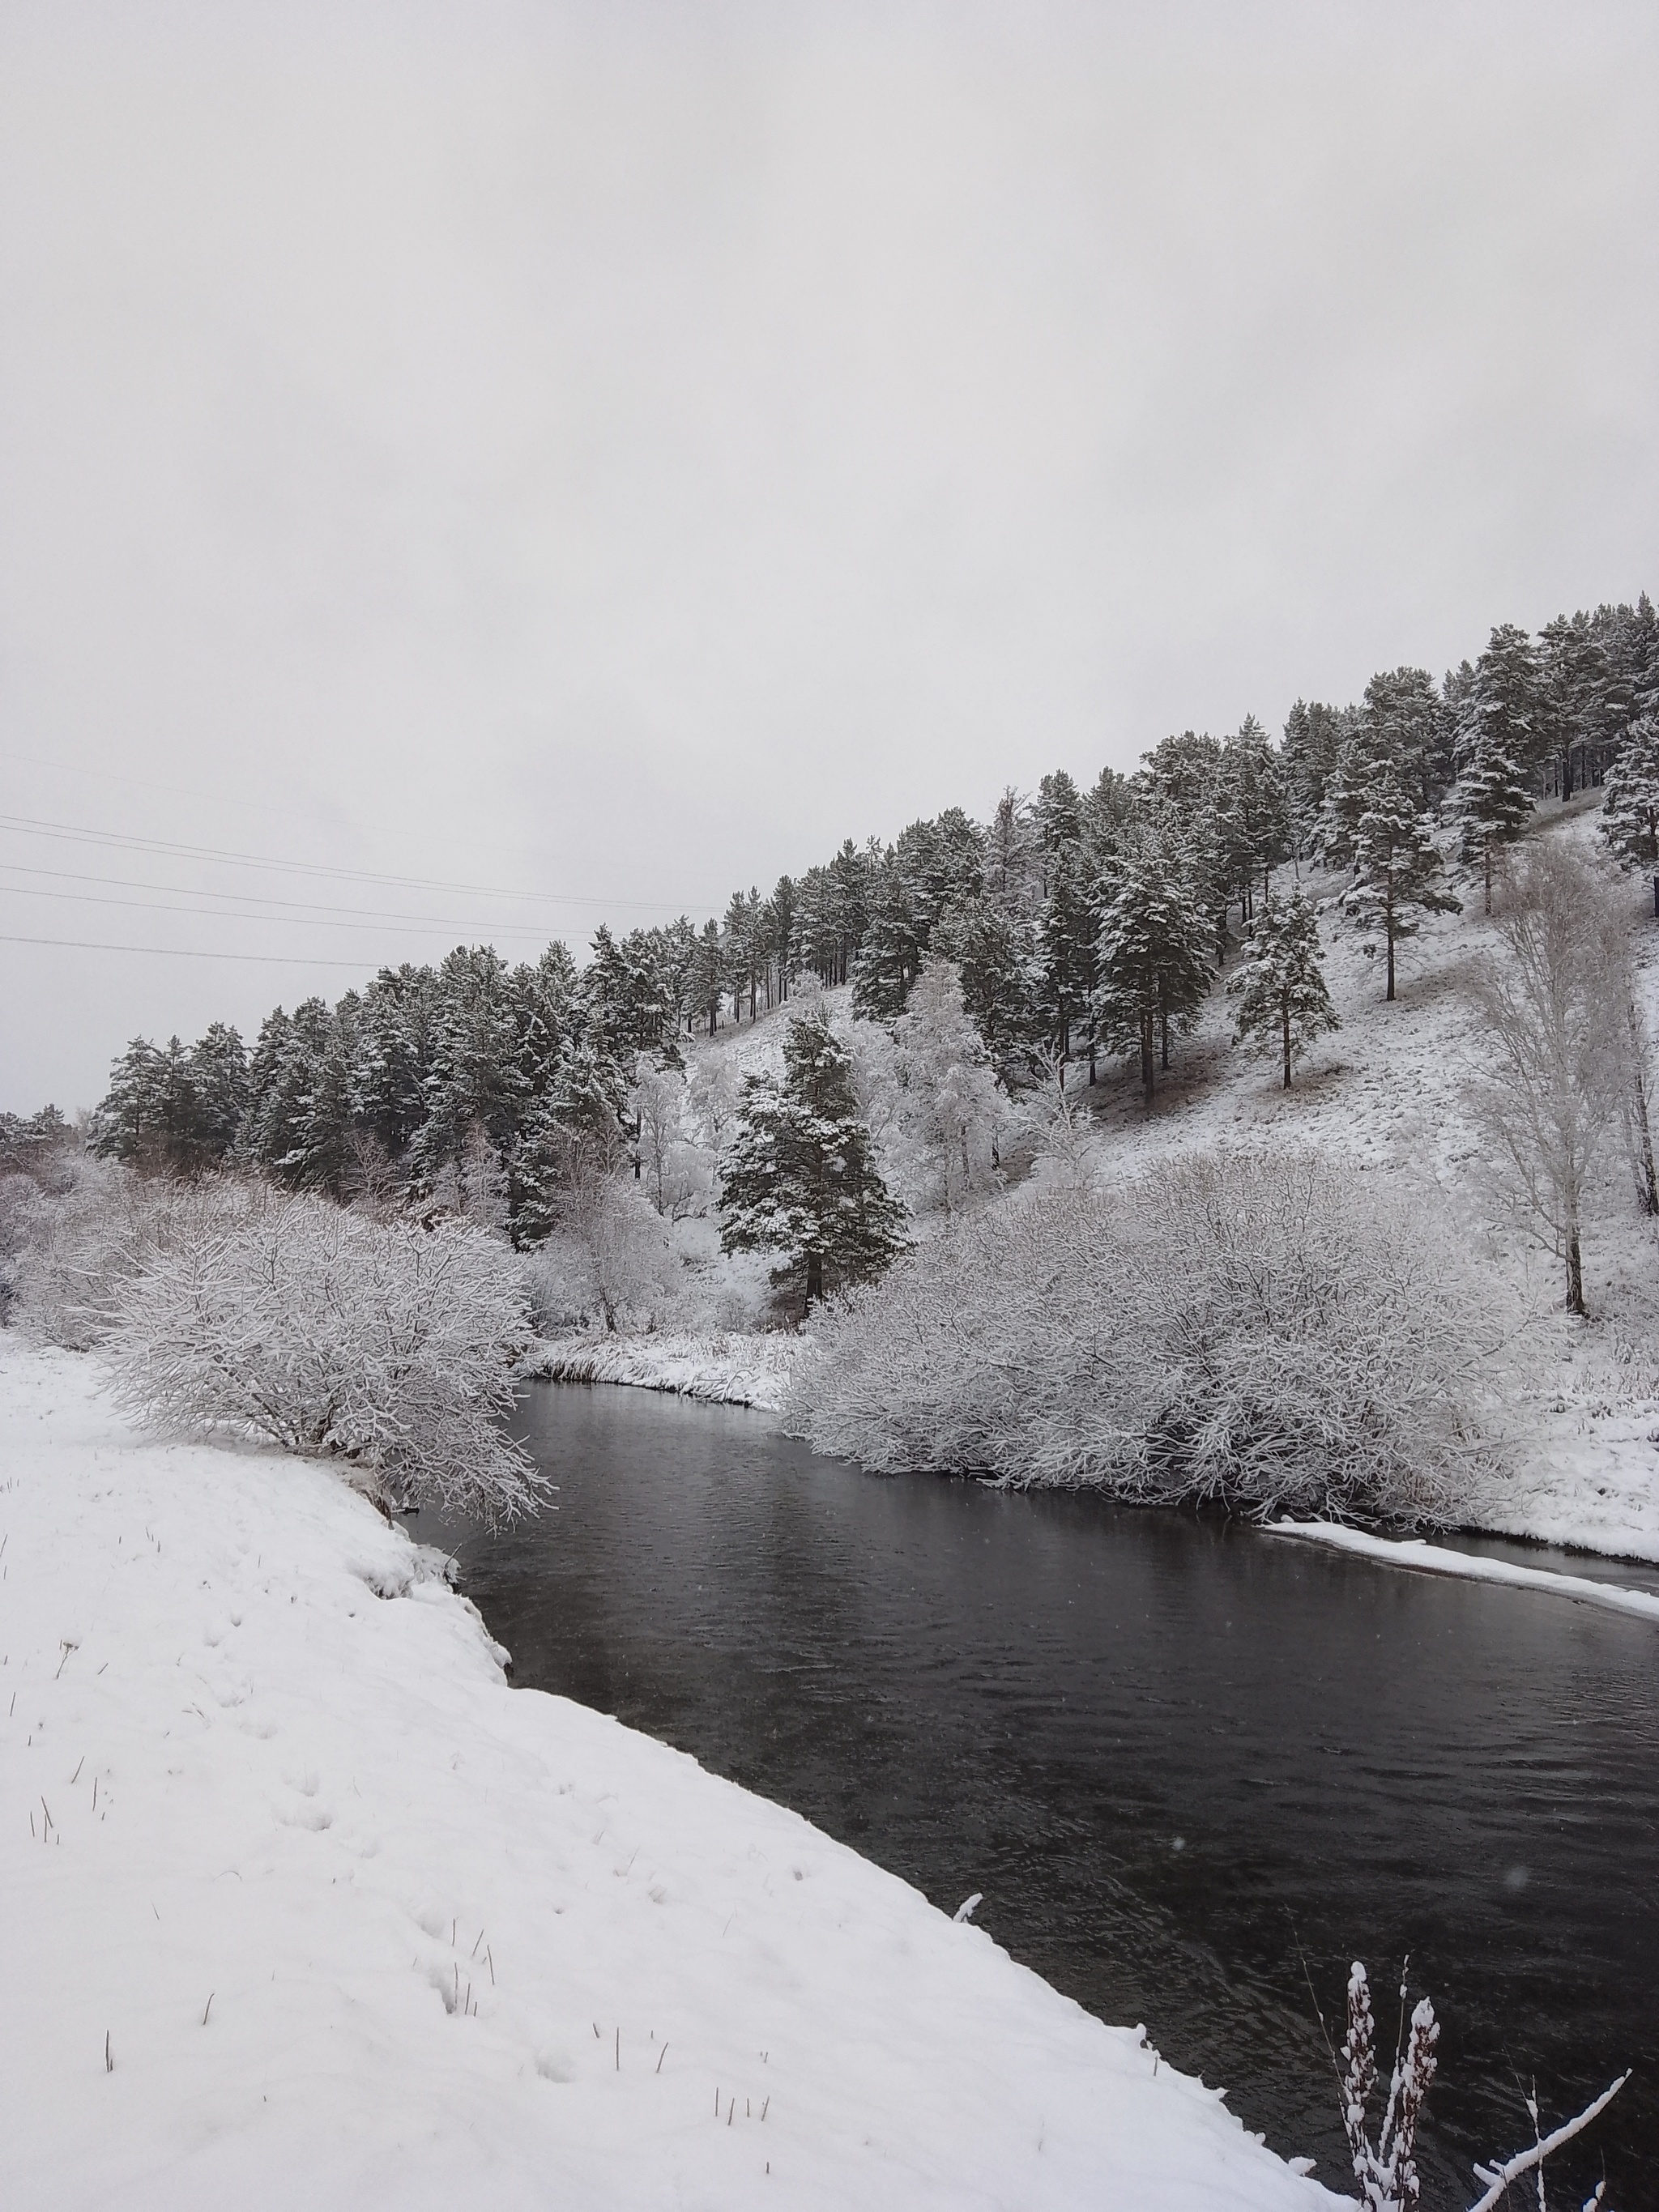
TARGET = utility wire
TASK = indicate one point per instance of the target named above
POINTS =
(185, 952)
(243, 898)
(29, 826)
(295, 922)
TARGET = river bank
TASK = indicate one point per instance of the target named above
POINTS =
(1588, 1481)
(308, 1903)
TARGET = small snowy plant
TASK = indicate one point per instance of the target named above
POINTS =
(1386, 2167)
(387, 1346)
(1385, 2164)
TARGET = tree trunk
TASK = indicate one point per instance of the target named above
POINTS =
(1146, 1076)
(1389, 994)
(1575, 1272)
(1647, 1185)
(1489, 875)
(1164, 1053)
(1285, 1032)
(814, 1281)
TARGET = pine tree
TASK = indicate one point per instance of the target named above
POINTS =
(1284, 1005)
(575, 1141)
(1574, 693)
(994, 951)
(1630, 812)
(1066, 931)
(218, 1075)
(474, 1080)
(1154, 948)
(801, 1177)
(1494, 729)
(1394, 866)
(125, 1126)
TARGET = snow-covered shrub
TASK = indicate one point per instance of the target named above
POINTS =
(609, 1266)
(76, 1248)
(1272, 1330)
(387, 1346)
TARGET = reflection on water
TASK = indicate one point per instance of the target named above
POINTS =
(1177, 1758)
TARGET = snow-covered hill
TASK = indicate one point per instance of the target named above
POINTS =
(1386, 1092)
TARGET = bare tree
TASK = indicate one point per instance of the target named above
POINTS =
(1638, 1088)
(670, 1167)
(620, 1246)
(1553, 1016)
(950, 1105)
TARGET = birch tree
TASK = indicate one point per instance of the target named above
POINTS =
(1549, 1013)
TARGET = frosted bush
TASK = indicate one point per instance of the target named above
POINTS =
(1272, 1331)
(384, 1345)
(77, 1248)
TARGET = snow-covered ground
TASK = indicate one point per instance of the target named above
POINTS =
(306, 1906)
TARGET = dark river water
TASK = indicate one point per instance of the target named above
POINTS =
(1182, 1761)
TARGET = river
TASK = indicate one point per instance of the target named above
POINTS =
(1190, 1767)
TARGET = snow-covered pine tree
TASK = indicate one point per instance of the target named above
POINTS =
(993, 948)
(1574, 692)
(1156, 943)
(1396, 863)
(1495, 739)
(1283, 1003)
(1630, 812)
(474, 1080)
(124, 1123)
(1065, 939)
(569, 1162)
(1313, 739)
(218, 1073)
(800, 1178)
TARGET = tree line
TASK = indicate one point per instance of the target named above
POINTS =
(1078, 921)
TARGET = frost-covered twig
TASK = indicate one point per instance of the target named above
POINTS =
(1496, 2179)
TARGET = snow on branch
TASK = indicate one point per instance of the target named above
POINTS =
(1496, 2179)
(1265, 1328)
(387, 1346)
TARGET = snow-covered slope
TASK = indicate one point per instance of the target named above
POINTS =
(1581, 1452)
(307, 1907)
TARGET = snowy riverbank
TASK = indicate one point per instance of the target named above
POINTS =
(1590, 1482)
(729, 1370)
(1418, 1558)
(365, 1927)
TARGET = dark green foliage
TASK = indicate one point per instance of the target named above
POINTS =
(1284, 1005)
(1630, 817)
(800, 1178)
(1395, 865)
(1155, 954)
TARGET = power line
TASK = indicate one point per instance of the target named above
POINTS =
(244, 899)
(185, 952)
(29, 826)
(208, 913)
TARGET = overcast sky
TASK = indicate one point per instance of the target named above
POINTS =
(613, 453)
